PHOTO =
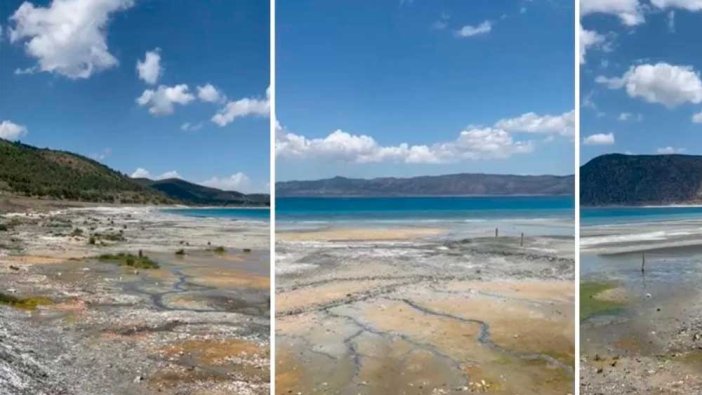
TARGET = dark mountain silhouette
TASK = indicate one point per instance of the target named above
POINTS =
(617, 179)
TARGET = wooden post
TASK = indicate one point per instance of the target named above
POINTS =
(496, 233)
(643, 262)
(521, 241)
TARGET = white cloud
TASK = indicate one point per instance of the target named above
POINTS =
(530, 122)
(12, 131)
(442, 22)
(470, 31)
(163, 99)
(671, 21)
(141, 173)
(191, 127)
(102, 155)
(627, 116)
(599, 139)
(697, 117)
(669, 150)
(242, 108)
(628, 11)
(209, 93)
(239, 182)
(589, 39)
(690, 5)
(68, 37)
(168, 174)
(662, 83)
(472, 143)
(28, 70)
(150, 69)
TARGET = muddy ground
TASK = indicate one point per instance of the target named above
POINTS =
(423, 314)
(198, 324)
(642, 331)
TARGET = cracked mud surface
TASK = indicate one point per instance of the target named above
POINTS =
(197, 325)
(423, 314)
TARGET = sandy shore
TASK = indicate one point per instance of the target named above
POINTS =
(408, 311)
(641, 331)
(356, 234)
(198, 324)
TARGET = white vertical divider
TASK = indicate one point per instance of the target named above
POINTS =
(273, 123)
(576, 137)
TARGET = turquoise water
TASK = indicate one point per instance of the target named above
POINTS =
(251, 214)
(423, 208)
(625, 215)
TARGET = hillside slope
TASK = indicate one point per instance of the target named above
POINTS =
(195, 194)
(617, 179)
(36, 172)
(44, 173)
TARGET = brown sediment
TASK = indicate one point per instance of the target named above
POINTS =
(309, 297)
(290, 373)
(213, 361)
(38, 260)
(232, 280)
(615, 295)
(214, 352)
(534, 325)
(360, 234)
(73, 305)
(555, 291)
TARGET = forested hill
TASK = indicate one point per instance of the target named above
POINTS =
(36, 172)
(195, 194)
(617, 179)
(445, 185)
(44, 173)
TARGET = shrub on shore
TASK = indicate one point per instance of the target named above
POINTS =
(30, 303)
(123, 259)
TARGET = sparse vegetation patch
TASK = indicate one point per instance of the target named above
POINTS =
(125, 259)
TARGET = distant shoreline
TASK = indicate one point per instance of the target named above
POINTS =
(411, 196)
(673, 205)
(11, 203)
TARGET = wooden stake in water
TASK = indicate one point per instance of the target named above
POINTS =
(521, 241)
(496, 232)
(643, 262)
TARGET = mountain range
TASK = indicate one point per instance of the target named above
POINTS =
(465, 184)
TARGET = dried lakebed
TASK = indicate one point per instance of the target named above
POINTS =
(641, 332)
(197, 324)
(423, 315)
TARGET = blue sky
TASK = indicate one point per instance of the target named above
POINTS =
(403, 88)
(80, 92)
(640, 82)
